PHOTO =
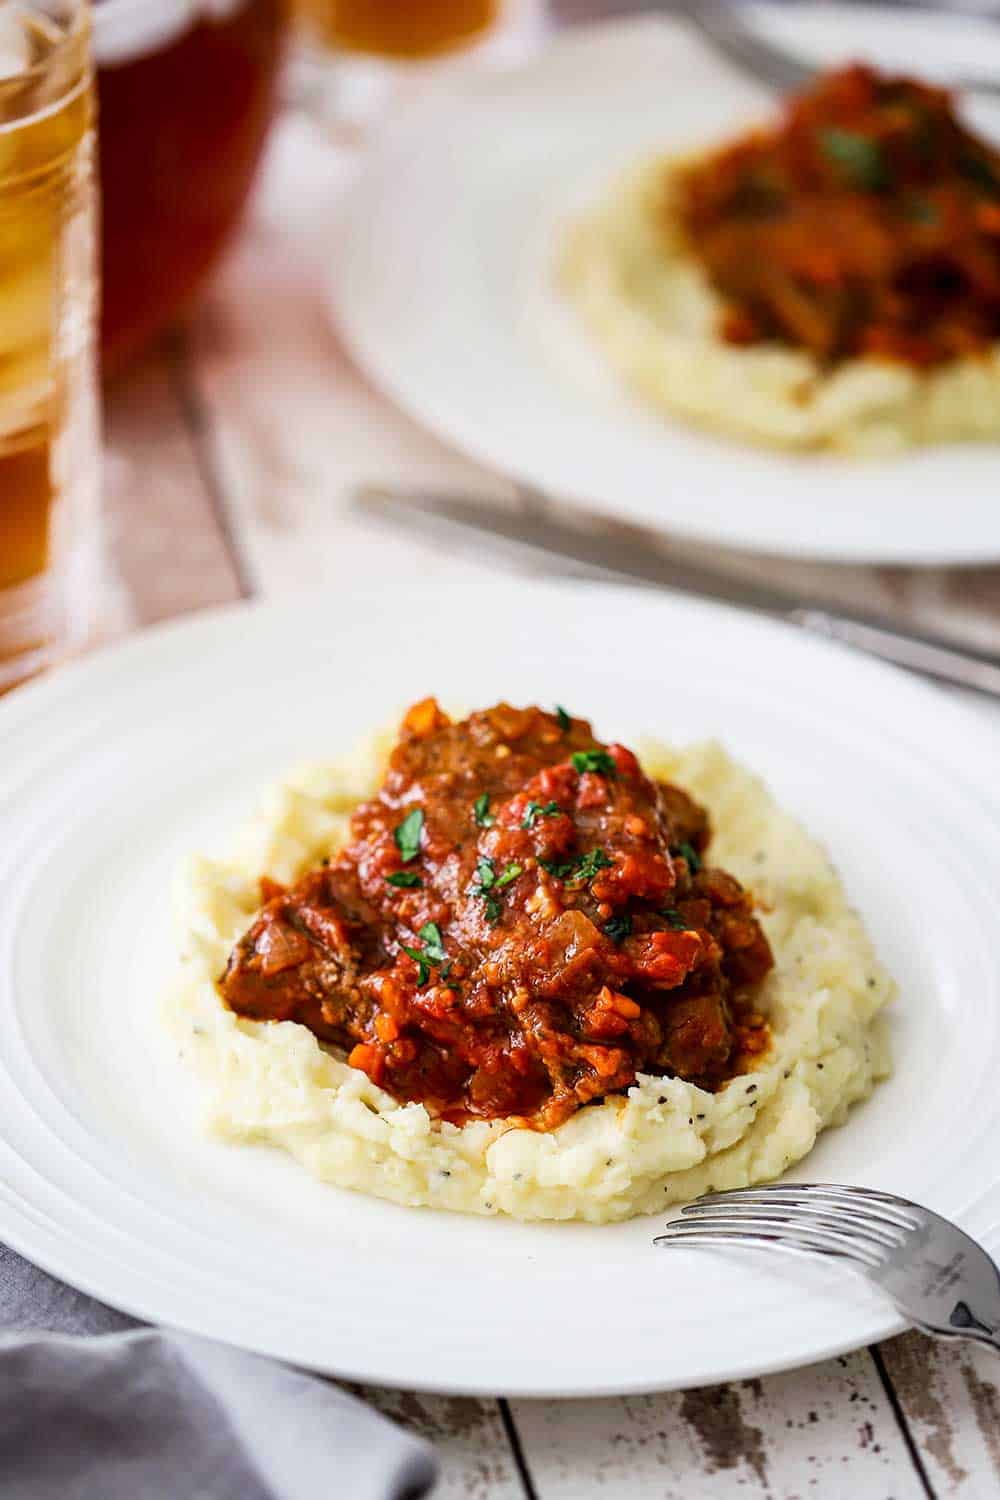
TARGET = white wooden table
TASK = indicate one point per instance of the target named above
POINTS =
(231, 455)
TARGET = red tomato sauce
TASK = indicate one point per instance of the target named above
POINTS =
(521, 923)
(866, 222)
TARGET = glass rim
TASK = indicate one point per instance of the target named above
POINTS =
(75, 39)
(126, 29)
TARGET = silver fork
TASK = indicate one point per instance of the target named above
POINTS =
(934, 1273)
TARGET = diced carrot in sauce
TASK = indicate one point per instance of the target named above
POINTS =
(555, 932)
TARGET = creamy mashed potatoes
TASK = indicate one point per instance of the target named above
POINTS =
(649, 304)
(665, 1141)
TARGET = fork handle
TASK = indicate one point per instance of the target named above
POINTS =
(968, 1326)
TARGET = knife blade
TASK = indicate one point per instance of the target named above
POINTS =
(730, 32)
(533, 535)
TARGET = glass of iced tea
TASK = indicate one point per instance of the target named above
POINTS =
(49, 447)
(399, 28)
(359, 53)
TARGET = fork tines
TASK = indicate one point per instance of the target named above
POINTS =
(858, 1224)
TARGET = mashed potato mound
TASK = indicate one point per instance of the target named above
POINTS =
(664, 1142)
(651, 307)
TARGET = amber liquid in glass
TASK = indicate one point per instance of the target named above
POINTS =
(46, 299)
(399, 28)
(25, 502)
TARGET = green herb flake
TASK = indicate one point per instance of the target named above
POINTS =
(481, 811)
(432, 954)
(486, 879)
(565, 722)
(420, 959)
(619, 928)
(593, 760)
(686, 853)
(433, 943)
(589, 865)
(404, 880)
(579, 870)
(861, 160)
(673, 919)
(407, 835)
(534, 811)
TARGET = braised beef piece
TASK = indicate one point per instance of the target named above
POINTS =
(865, 222)
(521, 923)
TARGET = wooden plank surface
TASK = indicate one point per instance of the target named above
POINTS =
(232, 454)
(828, 1430)
(951, 1400)
(167, 550)
(479, 1462)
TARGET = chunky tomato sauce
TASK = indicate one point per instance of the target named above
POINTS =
(866, 222)
(522, 922)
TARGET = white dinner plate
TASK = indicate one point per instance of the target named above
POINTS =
(442, 281)
(113, 770)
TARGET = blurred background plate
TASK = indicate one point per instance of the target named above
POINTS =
(442, 281)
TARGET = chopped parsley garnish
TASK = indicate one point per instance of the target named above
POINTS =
(861, 160)
(433, 946)
(407, 835)
(481, 811)
(420, 959)
(686, 853)
(579, 870)
(589, 865)
(593, 760)
(488, 881)
(619, 928)
(431, 955)
(565, 722)
(674, 919)
(404, 880)
(534, 811)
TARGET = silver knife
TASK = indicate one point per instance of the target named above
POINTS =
(727, 29)
(533, 535)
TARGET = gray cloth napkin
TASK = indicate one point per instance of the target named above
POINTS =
(95, 1406)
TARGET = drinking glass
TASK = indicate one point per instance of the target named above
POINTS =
(360, 52)
(399, 28)
(49, 546)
